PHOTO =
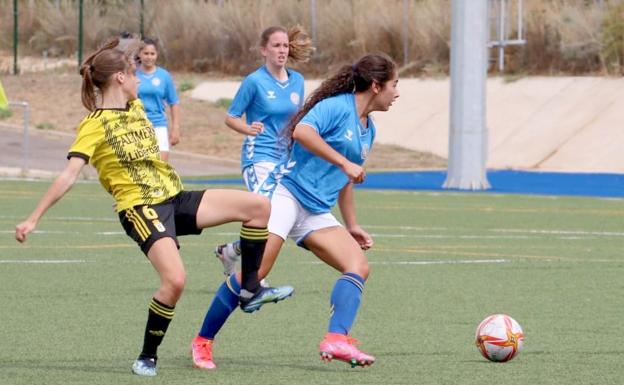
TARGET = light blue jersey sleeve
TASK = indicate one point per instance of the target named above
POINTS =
(171, 96)
(243, 98)
(320, 117)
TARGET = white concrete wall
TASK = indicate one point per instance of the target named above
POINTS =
(535, 123)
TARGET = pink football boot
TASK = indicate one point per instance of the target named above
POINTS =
(341, 347)
(201, 349)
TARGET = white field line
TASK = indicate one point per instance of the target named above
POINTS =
(44, 180)
(234, 234)
(560, 232)
(447, 262)
(389, 227)
(40, 261)
(439, 236)
(404, 227)
(518, 231)
(44, 232)
(55, 232)
(529, 234)
(82, 219)
(227, 234)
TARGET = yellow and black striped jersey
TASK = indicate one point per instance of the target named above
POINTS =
(121, 144)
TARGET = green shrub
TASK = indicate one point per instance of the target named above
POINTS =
(45, 126)
(5, 113)
(612, 47)
(223, 103)
(186, 84)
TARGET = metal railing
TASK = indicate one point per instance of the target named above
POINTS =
(502, 28)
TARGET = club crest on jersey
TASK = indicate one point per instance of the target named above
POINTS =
(349, 135)
(155, 82)
(158, 225)
(271, 94)
(294, 98)
(365, 151)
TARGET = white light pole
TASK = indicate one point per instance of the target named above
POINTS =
(467, 131)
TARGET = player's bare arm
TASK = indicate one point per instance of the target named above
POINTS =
(57, 190)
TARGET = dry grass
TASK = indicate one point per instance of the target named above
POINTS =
(54, 98)
(564, 36)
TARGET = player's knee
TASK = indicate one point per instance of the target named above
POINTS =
(265, 206)
(360, 268)
(175, 284)
(359, 264)
(262, 208)
(364, 270)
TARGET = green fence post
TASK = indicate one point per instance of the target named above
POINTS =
(15, 39)
(80, 16)
(141, 27)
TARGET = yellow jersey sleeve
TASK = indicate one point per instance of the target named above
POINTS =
(90, 136)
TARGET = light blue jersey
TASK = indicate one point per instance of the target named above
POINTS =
(315, 182)
(154, 90)
(264, 99)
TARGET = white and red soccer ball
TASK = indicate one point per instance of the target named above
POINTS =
(499, 338)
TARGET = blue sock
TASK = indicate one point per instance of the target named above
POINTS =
(223, 304)
(345, 302)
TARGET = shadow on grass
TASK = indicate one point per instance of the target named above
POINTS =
(268, 363)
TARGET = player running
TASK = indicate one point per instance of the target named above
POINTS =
(331, 138)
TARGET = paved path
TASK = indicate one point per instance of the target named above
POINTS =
(48, 152)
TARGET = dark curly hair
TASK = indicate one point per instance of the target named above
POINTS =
(359, 77)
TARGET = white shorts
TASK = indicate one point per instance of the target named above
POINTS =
(162, 134)
(255, 175)
(290, 220)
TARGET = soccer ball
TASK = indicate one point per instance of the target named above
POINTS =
(499, 338)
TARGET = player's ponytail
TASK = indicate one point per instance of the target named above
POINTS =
(299, 44)
(97, 69)
(88, 90)
(359, 77)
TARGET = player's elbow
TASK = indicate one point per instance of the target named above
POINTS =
(297, 133)
(230, 122)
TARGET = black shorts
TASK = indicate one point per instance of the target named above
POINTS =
(174, 217)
